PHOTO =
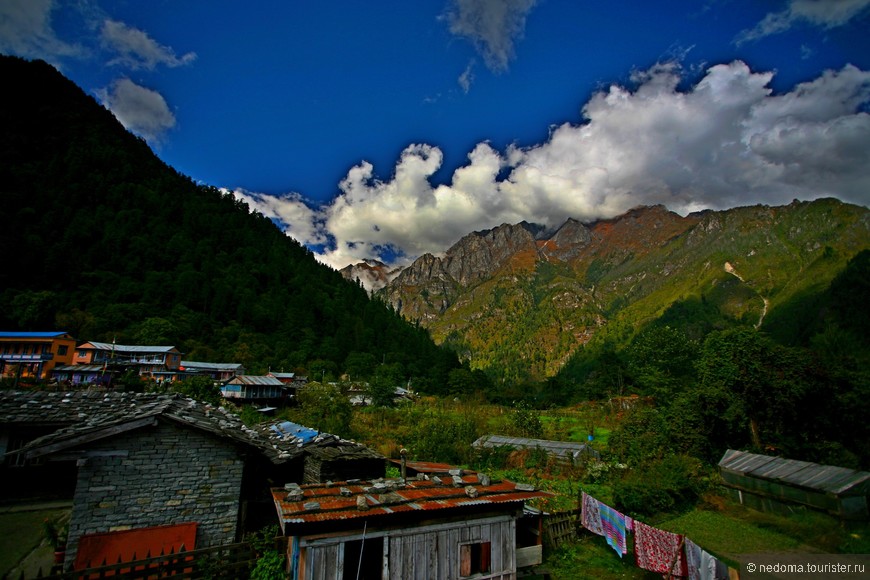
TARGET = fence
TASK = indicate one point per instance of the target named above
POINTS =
(230, 561)
(561, 528)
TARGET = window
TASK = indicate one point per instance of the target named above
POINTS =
(364, 560)
(62, 349)
(474, 559)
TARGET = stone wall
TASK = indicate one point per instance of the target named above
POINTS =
(158, 475)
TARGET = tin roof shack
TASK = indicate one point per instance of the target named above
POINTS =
(456, 526)
(564, 451)
(782, 485)
(152, 460)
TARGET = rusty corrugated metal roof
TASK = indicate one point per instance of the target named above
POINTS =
(339, 501)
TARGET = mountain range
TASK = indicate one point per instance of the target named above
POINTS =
(519, 300)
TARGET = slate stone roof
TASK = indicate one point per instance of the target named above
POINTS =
(91, 416)
(53, 408)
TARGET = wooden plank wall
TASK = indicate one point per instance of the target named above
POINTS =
(431, 552)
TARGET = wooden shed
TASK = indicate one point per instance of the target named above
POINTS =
(782, 485)
(456, 526)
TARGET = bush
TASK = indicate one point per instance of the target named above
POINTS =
(671, 484)
(444, 437)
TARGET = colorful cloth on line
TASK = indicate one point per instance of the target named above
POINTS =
(657, 550)
(701, 565)
(613, 523)
(590, 515)
(712, 568)
(693, 559)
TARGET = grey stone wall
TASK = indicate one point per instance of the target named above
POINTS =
(170, 475)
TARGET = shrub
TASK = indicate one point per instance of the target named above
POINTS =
(671, 484)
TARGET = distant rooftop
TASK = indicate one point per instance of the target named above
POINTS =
(50, 334)
(560, 448)
(126, 347)
(189, 364)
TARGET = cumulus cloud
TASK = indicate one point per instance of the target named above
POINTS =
(823, 13)
(728, 140)
(136, 49)
(141, 110)
(25, 30)
(493, 26)
(290, 212)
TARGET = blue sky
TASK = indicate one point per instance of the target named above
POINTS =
(390, 129)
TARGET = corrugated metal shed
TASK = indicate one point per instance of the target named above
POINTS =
(560, 449)
(827, 478)
(838, 490)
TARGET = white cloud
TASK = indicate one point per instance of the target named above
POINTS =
(823, 13)
(25, 30)
(136, 49)
(726, 141)
(492, 26)
(298, 221)
(141, 110)
(467, 77)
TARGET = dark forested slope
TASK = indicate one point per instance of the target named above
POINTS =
(104, 240)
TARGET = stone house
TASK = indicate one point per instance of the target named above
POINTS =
(152, 460)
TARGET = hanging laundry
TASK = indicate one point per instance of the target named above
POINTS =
(613, 523)
(693, 559)
(658, 551)
(712, 568)
(590, 514)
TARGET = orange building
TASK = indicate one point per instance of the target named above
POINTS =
(33, 355)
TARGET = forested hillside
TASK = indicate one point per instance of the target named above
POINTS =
(520, 302)
(104, 240)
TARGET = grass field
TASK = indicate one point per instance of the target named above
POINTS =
(726, 530)
(20, 533)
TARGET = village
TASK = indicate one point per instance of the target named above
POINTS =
(155, 474)
(158, 481)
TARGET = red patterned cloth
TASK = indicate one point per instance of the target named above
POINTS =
(655, 550)
(591, 515)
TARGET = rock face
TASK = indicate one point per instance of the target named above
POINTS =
(372, 274)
